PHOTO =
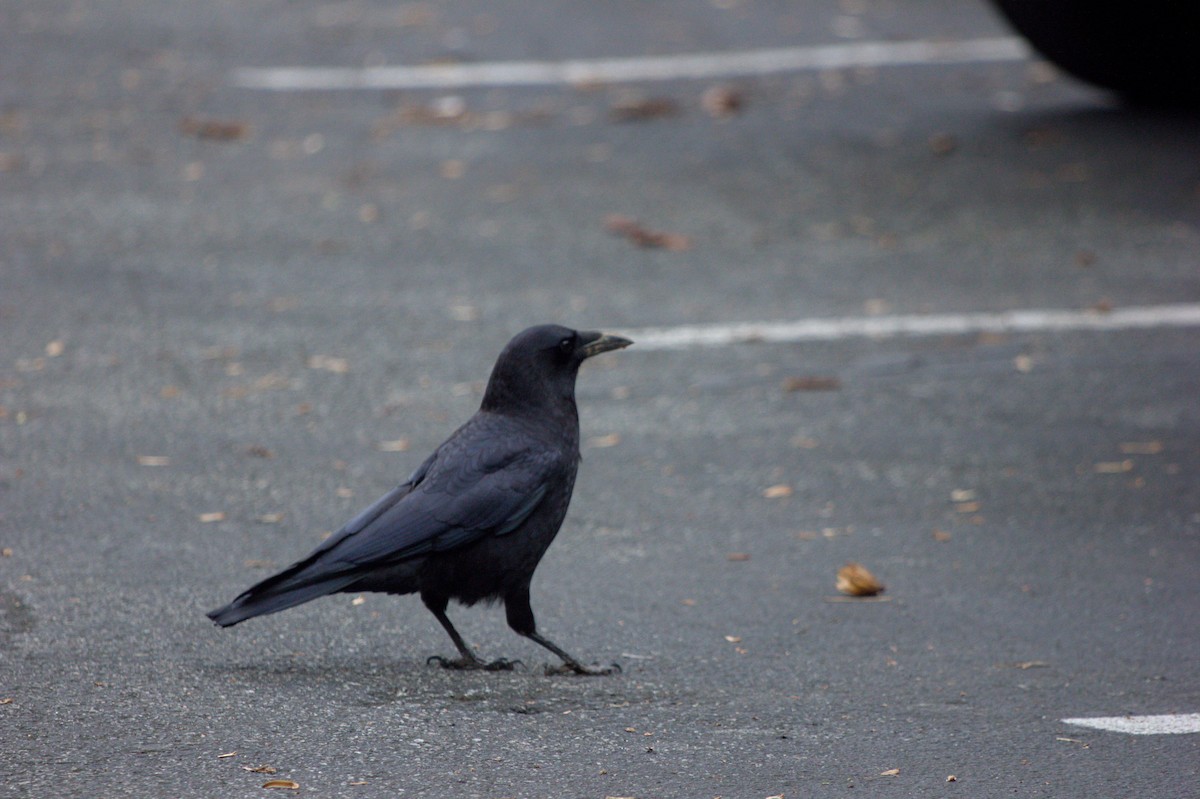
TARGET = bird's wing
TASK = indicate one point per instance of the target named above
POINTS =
(463, 493)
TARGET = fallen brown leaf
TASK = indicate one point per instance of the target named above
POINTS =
(733, 639)
(721, 101)
(288, 784)
(643, 237)
(1113, 467)
(215, 129)
(329, 364)
(777, 491)
(1140, 447)
(941, 535)
(951, 778)
(260, 769)
(942, 143)
(215, 516)
(643, 108)
(892, 772)
(812, 383)
(738, 556)
(854, 579)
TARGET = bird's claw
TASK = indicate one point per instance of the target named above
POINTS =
(572, 667)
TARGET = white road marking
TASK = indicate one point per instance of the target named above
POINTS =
(624, 70)
(1172, 724)
(881, 327)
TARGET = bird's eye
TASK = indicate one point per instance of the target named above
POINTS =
(566, 346)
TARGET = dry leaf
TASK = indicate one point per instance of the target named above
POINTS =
(738, 556)
(153, 460)
(733, 639)
(396, 445)
(288, 784)
(968, 507)
(962, 495)
(54, 348)
(215, 129)
(951, 778)
(812, 383)
(777, 491)
(1113, 467)
(7, 552)
(227, 754)
(892, 772)
(644, 237)
(329, 363)
(642, 109)
(941, 535)
(215, 516)
(854, 579)
(8, 700)
(358, 600)
(260, 769)
(942, 143)
(721, 101)
(1141, 447)
(610, 440)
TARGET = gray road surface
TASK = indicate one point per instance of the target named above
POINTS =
(232, 317)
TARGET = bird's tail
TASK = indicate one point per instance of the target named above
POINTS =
(285, 590)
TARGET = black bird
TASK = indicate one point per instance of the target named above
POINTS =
(474, 519)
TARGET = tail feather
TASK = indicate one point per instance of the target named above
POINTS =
(280, 592)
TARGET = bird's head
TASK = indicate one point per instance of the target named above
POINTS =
(538, 366)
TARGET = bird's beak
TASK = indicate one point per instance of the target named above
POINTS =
(595, 343)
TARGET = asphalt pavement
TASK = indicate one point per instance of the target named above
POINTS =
(230, 317)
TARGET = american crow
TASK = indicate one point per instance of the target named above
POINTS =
(475, 518)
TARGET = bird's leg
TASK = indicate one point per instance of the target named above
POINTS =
(520, 619)
(468, 660)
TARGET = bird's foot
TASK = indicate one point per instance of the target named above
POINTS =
(575, 667)
(474, 663)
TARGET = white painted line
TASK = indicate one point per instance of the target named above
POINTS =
(880, 327)
(1173, 724)
(624, 70)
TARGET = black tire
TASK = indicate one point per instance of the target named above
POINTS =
(1148, 51)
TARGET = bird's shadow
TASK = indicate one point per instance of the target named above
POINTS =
(355, 681)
